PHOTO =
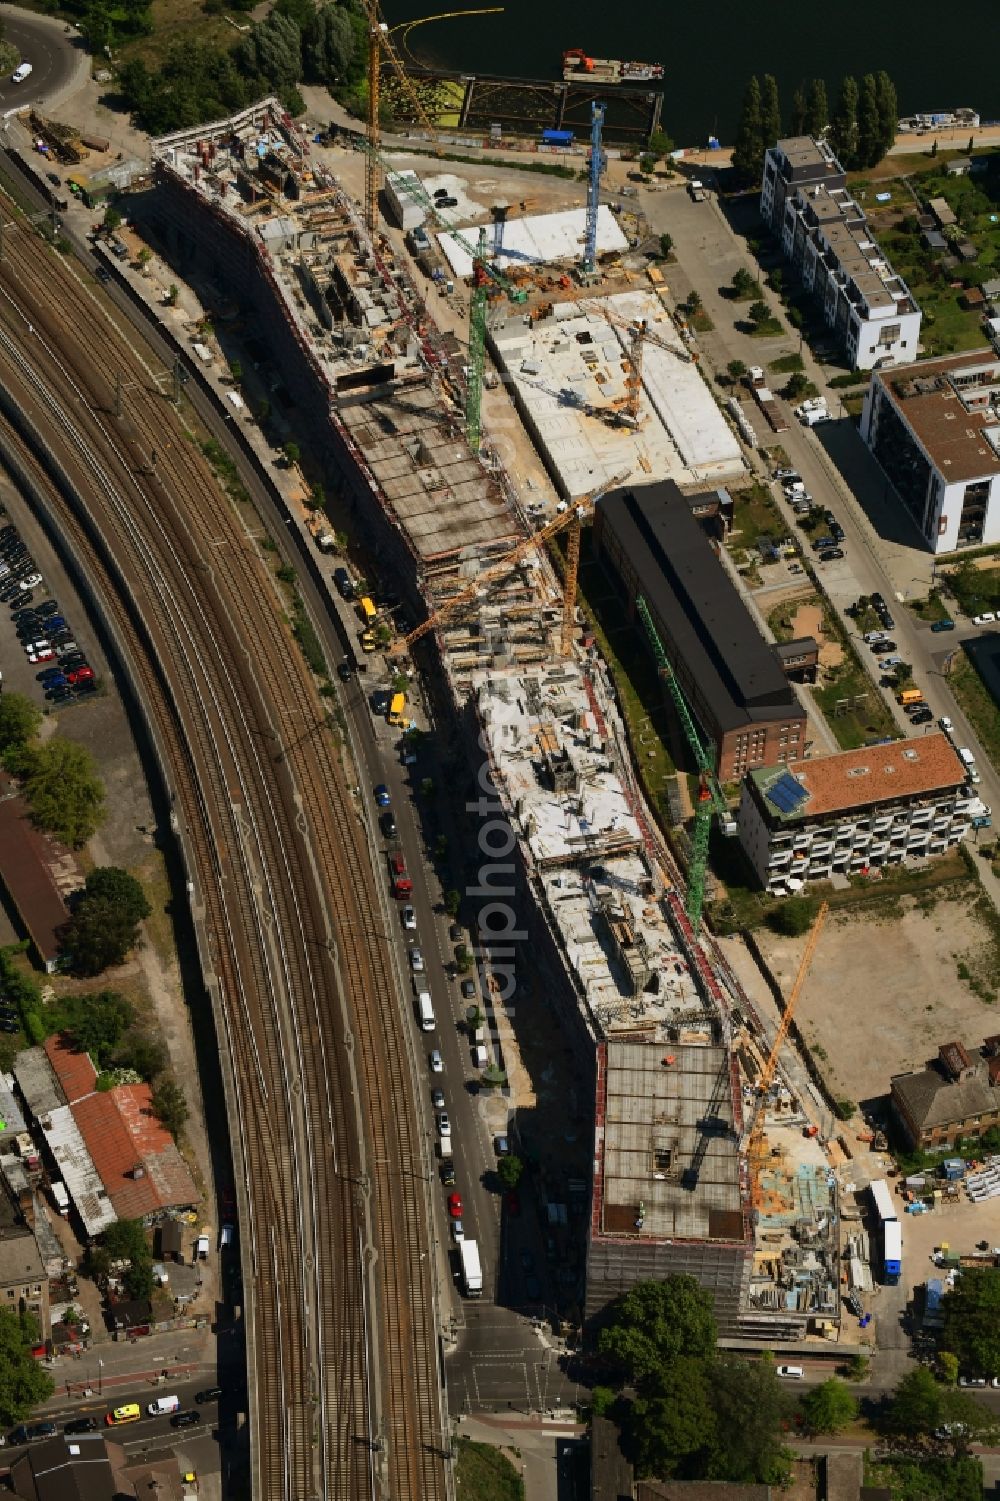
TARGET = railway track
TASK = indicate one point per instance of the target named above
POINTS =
(344, 1395)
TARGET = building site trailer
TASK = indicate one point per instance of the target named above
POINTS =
(472, 1271)
(885, 1209)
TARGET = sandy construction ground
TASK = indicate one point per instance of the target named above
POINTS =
(884, 991)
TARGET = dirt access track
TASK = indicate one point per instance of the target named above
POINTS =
(884, 988)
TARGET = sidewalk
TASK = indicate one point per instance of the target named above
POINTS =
(107, 1368)
(532, 1446)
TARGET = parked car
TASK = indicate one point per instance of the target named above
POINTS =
(416, 959)
(81, 1425)
(830, 554)
(988, 617)
(455, 1206)
(942, 625)
(409, 918)
(345, 671)
(437, 1099)
(210, 1394)
(185, 1419)
(382, 797)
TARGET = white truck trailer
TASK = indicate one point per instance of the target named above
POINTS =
(472, 1271)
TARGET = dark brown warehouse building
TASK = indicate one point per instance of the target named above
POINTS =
(732, 678)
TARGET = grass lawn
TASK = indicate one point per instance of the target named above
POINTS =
(641, 695)
(701, 322)
(972, 693)
(974, 589)
(482, 1473)
(755, 515)
(788, 364)
(853, 718)
(932, 608)
(180, 21)
(768, 328)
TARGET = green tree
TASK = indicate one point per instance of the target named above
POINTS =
(794, 916)
(948, 1366)
(62, 789)
(817, 108)
(143, 1053)
(799, 115)
(693, 303)
(797, 385)
(24, 1384)
(170, 1105)
(112, 219)
(123, 1243)
(272, 51)
(934, 147)
(655, 1322)
(123, 891)
(915, 1408)
(676, 1422)
(736, 370)
(856, 1368)
(19, 721)
(744, 284)
(829, 1407)
(173, 293)
(750, 1407)
(666, 245)
(236, 370)
(748, 146)
(888, 111)
(758, 312)
(972, 1321)
(660, 144)
(96, 1023)
(510, 1171)
(452, 902)
(770, 113)
(844, 125)
(292, 452)
(869, 123)
(329, 45)
(96, 937)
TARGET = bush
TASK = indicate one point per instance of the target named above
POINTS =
(794, 916)
(62, 789)
(171, 1106)
(104, 927)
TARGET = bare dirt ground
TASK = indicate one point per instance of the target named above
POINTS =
(809, 622)
(884, 990)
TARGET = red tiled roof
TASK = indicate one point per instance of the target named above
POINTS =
(25, 871)
(122, 1134)
(73, 1069)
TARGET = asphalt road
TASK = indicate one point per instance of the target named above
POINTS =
(52, 50)
(197, 1447)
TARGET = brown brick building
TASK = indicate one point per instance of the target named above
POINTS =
(733, 679)
(956, 1095)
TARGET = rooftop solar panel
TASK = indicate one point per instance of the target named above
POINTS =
(786, 793)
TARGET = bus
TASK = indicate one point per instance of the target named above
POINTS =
(367, 610)
(130, 1413)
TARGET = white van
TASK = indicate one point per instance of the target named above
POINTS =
(425, 1011)
(20, 73)
(163, 1406)
(480, 1058)
(792, 1372)
(965, 756)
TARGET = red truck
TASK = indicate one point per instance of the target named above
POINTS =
(402, 886)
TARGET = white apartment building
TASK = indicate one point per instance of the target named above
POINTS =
(935, 430)
(825, 236)
(844, 814)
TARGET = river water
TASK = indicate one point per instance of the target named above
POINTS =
(938, 58)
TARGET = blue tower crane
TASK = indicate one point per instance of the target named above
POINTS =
(598, 162)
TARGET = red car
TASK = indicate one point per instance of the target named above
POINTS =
(455, 1206)
(513, 1202)
(81, 675)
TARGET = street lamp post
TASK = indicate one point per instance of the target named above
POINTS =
(100, 1377)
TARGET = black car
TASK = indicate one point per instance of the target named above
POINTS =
(345, 671)
(886, 619)
(103, 274)
(878, 602)
(87, 686)
(210, 1394)
(8, 1024)
(389, 826)
(829, 554)
(185, 1419)
(81, 1425)
(836, 531)
(48, 607)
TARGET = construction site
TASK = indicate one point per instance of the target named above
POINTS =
(684, 1179)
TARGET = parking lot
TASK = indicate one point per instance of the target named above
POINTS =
(43, 644)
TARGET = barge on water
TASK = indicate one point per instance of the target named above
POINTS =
(577, 67)
(942, 119)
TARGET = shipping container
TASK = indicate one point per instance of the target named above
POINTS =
(885, 1209)
(893, 1251)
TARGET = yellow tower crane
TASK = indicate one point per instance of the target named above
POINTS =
(755, 1140)
(572, 517)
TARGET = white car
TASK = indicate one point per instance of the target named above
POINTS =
(458, 1229)
(33, 646)
(444, 1123)
(416, 960)
(436, 1062)
(29, 582)
(988, 617)
(791, 1372)
(20, 73)
(945, 724)
(409, 919)
(888, 662)
(872, 638)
